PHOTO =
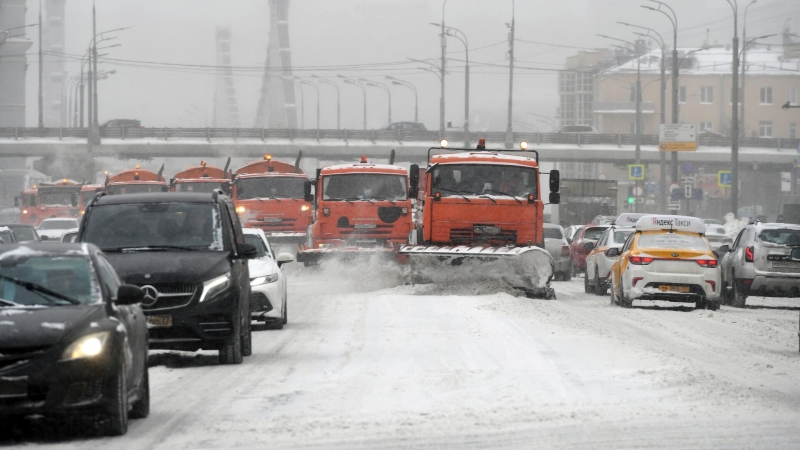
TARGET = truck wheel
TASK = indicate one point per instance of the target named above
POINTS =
(739, 294)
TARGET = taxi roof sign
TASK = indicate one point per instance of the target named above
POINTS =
(628, 219)
(671, 223)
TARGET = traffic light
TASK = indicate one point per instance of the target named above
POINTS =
(631, 197)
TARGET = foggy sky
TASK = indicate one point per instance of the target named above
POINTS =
(329, 33)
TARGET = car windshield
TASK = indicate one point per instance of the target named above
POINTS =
(553, 233)
(258, 243)
(364, 186)
(135, 188)
(270, 186)
(56, 198)
(594, 232)
(197, 186)
(780, 236)
(479, 179)
(71, 276)
(5, 235)
(190, 225)
(23, 233)
(621, 236)
(671, 241)
(58, 224)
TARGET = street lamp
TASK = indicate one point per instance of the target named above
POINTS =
(442, 67)
(388, 91)
(409, 85)
(744, 65)
(316, 88)
(302, 101)
(463, 39)
(363, 91)
(509, 129)
(735, 110)
(673, 18)
(338, 99)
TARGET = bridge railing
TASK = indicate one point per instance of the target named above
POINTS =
(456, 137)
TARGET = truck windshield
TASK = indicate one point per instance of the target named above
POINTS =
(478, 179)
(187, 225)
(197, 186)
(56, 198)
(135, 188)
(271, 186)
(364, 186)
(88, 196)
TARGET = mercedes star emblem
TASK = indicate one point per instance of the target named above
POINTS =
(151, 295)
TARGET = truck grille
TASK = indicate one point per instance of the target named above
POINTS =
(468, 236)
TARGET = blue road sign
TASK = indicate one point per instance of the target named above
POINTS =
(724, 178)
(687, 168)
(651, 189)
(636, 171)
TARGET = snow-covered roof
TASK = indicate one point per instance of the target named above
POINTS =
(715, 61)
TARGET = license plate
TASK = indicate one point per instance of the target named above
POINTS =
(680, 289)
(14, 388)
(159, 321)
(365, 225)
(483, 229)
(790, 264)
(273, 219)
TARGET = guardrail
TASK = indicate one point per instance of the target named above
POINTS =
(456, 137)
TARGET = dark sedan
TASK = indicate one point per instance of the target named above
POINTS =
(73, 339)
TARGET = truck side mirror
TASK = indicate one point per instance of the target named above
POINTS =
(555, 198)
(555, 182)
(413, 176)
(309, 197)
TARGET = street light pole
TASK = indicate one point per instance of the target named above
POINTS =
(316, 88)
(735, 111)
(363, 92)
(385, 88)
(744, 67)
(338, 100)
(442, 68)
(41, 71)
(509, 129)
(302, 103)
(409, 85)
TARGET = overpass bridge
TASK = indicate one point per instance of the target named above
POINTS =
(146, 143)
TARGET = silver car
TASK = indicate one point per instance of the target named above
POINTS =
(761, 262)
(556, 244)
(717, 236)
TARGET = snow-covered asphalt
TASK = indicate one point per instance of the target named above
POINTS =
(366, 362)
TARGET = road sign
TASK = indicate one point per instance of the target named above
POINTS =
(688, 180)
(724, 178)
(674, 206)
(675, 137)
(786, 181)
(687, 191)
(687, 168)
(636, 171)
(651, 189)
(638, 191)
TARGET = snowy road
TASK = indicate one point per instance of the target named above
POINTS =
(377, 365)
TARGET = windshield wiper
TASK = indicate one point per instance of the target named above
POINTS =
(504, 193)
(40, 289)
(9, 303)
(275, 196)
(386, 200)
(455, 192)
(147, 248)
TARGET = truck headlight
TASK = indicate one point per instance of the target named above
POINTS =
(240, 210)
(305, 208)
(257, 281)
(87, 346)
(214, 286)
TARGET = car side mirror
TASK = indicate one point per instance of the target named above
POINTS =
(589, 246)
(796, 254)
(285, 258)
(413, 176)
(247, 251)
(723, 249)
(555, 182)
(42, 238)
(128, 294)
(555, 198)
(613, 252)
(309, 197)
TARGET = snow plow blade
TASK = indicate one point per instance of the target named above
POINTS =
(529, 269)
(313, 256)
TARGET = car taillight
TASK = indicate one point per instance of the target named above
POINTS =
(748, 254)
(565, 250)
(641, 260)
(707, 262)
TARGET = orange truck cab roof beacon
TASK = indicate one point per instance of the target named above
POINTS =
(269, 195)
(136, 180)
(361, 209)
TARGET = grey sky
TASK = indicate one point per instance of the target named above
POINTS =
(335, 33)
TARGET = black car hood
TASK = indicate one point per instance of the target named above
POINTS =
(43, 327)
(169, 267)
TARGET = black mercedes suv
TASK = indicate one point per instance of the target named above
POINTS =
(187, 252)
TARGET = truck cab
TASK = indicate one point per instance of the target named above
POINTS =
(53, 200)
(136, 181)
(202, 178)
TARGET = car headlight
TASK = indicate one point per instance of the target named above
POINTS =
(264, 280)
(87, 346)
(214, 286)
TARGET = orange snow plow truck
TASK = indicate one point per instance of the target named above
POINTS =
(202, 178)
(481, 217)
(361, 210)
(269, 195)
(136, 181)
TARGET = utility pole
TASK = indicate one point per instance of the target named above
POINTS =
(338, 100)
(95, 111)
(41, 71)
(441, 76)
(735, 112)
(509, 129)
(743, 127)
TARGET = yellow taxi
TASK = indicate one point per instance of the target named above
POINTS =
(666, 258)
(598, 263)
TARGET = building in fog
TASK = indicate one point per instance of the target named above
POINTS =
(54, 76)
(704, 97)
(576, 86)
(13, 63)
